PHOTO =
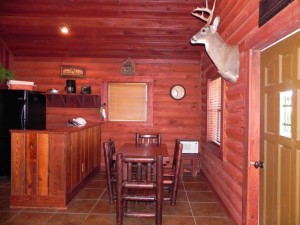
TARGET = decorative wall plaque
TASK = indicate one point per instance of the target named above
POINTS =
(72, 71)
(128, 67)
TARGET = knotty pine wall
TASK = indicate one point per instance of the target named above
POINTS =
(173, 119)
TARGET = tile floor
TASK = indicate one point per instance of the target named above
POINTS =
(196, 205)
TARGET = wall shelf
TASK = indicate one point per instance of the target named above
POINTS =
(73, 100)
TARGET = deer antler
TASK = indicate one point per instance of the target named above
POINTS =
(204, 12)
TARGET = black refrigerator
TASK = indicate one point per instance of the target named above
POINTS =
(19, 109)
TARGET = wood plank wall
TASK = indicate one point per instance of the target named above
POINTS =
(173, 119)
(5, 55)
(237, 26)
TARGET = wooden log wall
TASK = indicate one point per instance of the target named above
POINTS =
(5, 55)
(239, 23)
(173, 119)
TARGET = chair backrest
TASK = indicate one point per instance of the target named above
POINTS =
(147, 138)
(176, 165)
(177, 157)
(139, 179)
(109, 151)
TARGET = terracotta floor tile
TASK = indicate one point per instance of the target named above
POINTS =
(198, 186)
(180, 209)
(40, 210)
(99, 176)
(139, 221)
(178, 220)
(89, 193)
(212, 221)
(181, 196)
(29, 218)
(104, 196)
(201, 196)
(180, 186)
(97, 184)
(199, 178)
(5, 216)
(104, 207)
(81, 206)
(95, 219)
(207, 209)
(66, 219)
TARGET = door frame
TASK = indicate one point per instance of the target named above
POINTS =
(255, 44)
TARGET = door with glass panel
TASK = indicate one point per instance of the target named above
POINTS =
(280, 133)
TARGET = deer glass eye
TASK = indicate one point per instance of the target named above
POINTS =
(203, 30)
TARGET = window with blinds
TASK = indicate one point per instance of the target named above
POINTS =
(214, 110)
(127, 102)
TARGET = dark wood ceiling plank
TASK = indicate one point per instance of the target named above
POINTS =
(100, 28)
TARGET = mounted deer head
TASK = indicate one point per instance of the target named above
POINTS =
(224, 56)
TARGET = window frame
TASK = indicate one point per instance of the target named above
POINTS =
(149, 82)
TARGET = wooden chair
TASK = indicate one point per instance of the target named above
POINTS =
(109, 151)
(148, 138)
(146, 185)
(171, 175)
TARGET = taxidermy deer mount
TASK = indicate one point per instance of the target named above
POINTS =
(225, 57)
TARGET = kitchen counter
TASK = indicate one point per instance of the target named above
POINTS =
(50, 166)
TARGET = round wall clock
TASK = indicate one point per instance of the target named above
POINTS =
(177, 92)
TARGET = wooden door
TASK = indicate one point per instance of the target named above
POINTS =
(280, 133)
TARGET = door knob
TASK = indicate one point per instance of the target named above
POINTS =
(258, 164)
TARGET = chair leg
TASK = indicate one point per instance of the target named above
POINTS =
(181, 170)
(119, 212)
(110, 192)
(159, 194)
(173, 199)
(159, 212)
(120, 200)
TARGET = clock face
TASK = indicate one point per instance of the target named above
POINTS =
(177, 92)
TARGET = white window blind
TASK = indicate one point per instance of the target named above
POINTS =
(214, 111)
(127, 101)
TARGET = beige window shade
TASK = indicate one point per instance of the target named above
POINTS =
(127, 101)
(214, 111)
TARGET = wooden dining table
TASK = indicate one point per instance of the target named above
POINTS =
(144, 150)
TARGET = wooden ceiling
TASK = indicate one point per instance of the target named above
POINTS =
(157, 29)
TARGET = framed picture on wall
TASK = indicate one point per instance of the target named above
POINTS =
(68, 71)
(269, 8)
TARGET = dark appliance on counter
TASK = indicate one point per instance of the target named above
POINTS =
(71, 86)
(19, 109)
(86, 89)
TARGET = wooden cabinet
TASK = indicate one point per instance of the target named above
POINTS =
(73, 100)
(50, 167)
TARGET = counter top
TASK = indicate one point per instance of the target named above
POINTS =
(65, 129)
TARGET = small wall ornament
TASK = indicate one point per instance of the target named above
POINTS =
(128, 67)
